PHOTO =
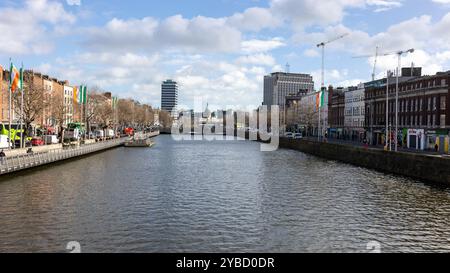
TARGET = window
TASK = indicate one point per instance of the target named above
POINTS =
(429, 104)
(434, 104)
(442, 121)
(443, 102)
(434, 120)
(421, 105)
(429, 120)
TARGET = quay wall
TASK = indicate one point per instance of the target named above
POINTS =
(429, 168)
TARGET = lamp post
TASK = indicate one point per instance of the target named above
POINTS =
(399, 54)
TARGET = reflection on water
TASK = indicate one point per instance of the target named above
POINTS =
(218, 197)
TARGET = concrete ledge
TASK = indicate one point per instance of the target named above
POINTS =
(429, 168)
(36, 149)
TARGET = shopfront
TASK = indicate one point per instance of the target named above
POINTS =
(416, 139)
(438, 139)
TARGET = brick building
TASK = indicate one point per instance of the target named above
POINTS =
(336, 112)
(423, 112)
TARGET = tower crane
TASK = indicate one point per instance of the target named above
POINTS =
(378, 54)
(323, 44)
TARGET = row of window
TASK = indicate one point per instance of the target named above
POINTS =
(414, 121)
(409, 87)
(414, 105)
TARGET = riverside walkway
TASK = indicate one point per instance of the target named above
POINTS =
(21, 161)
(25, 161)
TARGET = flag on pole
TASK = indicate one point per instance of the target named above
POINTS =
(114, 102)
(75, 94)
(15, 80)
(21, 79)
(320, 99)
(82, 95)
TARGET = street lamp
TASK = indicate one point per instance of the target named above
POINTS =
(399, 54)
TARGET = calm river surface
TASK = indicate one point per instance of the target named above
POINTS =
(218, 197)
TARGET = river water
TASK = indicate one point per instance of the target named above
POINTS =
(218, 196)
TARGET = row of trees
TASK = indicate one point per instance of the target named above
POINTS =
(40, 105)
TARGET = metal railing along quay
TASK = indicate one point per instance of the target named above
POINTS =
(31, 160)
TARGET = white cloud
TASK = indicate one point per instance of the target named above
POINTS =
(258, 46)
(442, 1)
(176, 33)
(257, 59)
(254, 19)
(430, 63)
(73, 2)
(312, 53)
(384, 5)
(28, 30)
(428, 37)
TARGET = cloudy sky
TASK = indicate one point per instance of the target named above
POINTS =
(217, 49)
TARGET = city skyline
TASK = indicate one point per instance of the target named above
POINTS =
(219, 51)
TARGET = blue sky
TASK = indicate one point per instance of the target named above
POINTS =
(217, 50)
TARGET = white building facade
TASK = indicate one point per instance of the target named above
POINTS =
(68, 104)
(354, 113)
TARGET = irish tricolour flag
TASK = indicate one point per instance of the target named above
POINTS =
(16, 78)
(320, 99)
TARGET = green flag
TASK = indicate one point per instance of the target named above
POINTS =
(84, 94)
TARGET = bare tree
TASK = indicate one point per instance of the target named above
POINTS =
(309, 117)
(59, 111)
(165, 119)
(125, 112)
(34, 101)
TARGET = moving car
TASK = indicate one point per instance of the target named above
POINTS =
(298, 136)
(289, 135)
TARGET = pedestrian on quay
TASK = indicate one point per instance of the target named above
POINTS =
(2, 157)
(365, 142)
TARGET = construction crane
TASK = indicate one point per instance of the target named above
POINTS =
(378, 54)
(323, 44)
(375, 57)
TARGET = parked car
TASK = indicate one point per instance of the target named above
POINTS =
(51, 139)
(298, 136)
(37, 141)
(289, 135)
(4, 142)
(109, 133)
(99, 134)
(128, 131)
(72, 134)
